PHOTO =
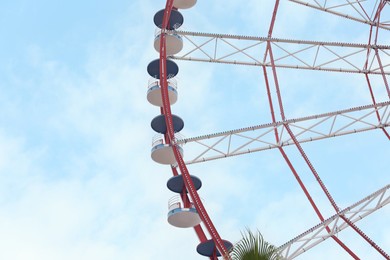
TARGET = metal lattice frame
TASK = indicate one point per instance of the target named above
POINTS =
(350, 9)
(336, 223)
(307, 129)
(292, 54)
(289, 53)
(171, 139)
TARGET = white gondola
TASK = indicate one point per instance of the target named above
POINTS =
(174, 42)
(180, 216)
(184, 4)
(163, 153)
(154, 92)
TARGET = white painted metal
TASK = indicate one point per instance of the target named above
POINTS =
(174, 43)
(184, 4)
(154, 92)
(350, 9)
(288, 53)
(306, 129)
(336, 223)
(163, 153)
(182, 217)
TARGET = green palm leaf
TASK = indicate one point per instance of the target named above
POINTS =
(254, 247)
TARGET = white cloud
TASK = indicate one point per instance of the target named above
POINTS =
(76, 177)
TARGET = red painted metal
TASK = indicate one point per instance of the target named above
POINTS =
(273, 19)
(330, 198)
(200, 233)
(198, 229)
(171, 138)
(199, 205)
(312, 203)
(376, 20)
(303, 187)
(183, 169)
(382, 72)
(276, 83)
(313, 170)
(380, 250)
(202, 237)
(372, 243)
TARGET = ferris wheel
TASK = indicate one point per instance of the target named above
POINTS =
(369, 61)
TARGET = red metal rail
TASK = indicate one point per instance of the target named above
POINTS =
(353, 214)
(377, 21)
(303, 154)
(276, 83)
(171, 138)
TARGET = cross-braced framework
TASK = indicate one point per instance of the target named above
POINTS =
(357, 10)
(306, 129)
(369, 59)
(288, 53)
(336, 223)
(170, 139)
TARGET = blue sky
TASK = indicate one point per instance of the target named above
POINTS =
(76, 178)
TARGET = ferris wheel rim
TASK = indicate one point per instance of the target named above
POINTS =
(179, 158)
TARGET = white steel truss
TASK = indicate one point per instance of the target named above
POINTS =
(362, 11)
(288, 53)
(336, 223)
(306, 129)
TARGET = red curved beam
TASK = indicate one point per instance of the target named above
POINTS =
(170, 137)
(297, 144)
(198, 229)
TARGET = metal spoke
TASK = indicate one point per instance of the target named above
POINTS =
(335, 58)
(353, 120)
(353, 214)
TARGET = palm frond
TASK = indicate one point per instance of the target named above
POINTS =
(254, 247)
